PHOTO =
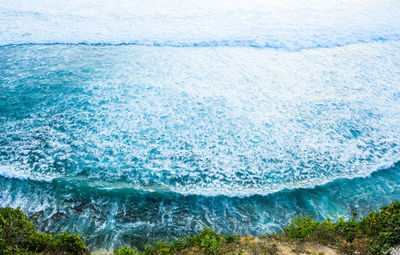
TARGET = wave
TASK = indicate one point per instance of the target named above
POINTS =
(289, 46)
(10, 173)
(219, 121)
(289, 25)
(98, 215)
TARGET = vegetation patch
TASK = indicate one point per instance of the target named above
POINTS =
(17, 236)
(206, 242)
(376, 233)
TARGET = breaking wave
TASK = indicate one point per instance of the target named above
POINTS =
(205, 121)
(288, 24)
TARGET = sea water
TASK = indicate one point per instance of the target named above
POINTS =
(132, 121)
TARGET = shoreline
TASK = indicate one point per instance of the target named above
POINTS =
(377, 233)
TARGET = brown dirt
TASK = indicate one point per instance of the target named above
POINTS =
(250, 245)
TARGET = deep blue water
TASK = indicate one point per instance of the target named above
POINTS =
(129, 122)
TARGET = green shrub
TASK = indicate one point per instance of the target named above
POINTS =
(325, 232)
(72, 244)
(125, 251)
(382, 228)
(15, 229)
(209, 241)
(17, 236)
(305, 228)
(39, 242)
(347, 229)
(376, 233)
(301, 228)
(159, 248)
(205, 242)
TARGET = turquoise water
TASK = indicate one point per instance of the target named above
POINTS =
(136, 121)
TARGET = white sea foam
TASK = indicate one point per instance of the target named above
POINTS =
(287, 24)
(211, 121)
(15, 173)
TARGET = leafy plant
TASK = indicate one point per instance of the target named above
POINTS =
(376, 233)
(382, 228)
(18, 236)
(206, 242)
(125, 251)
(72, 244)
(301, 228)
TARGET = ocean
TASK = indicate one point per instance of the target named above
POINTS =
(127, 122)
